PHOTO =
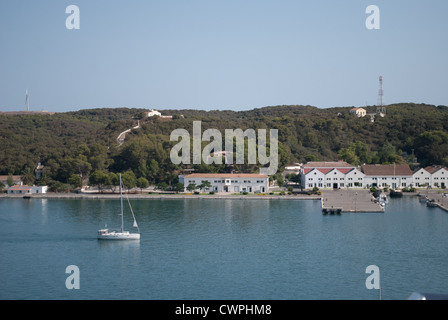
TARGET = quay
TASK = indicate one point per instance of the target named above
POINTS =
(338, 201)
(441, 199)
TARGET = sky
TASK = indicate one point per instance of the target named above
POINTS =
(221, 54)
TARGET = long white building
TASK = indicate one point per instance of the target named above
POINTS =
(333, 174)
(228, 182)
(340, 174)
(24, 189)
(391, 175)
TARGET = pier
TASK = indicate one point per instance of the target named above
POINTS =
(441, 199)
(338, 201)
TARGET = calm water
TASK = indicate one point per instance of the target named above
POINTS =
(220, 249)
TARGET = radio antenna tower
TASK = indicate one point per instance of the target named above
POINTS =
(380, 108)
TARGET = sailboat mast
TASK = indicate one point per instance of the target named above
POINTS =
(121, 202)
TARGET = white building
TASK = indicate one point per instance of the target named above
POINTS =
(153, 113)
(392, 175)
(228, 182)
(355, 178)
(432, 176)
(340, 174)
(359, 112)
(24, 189)
(333, 174)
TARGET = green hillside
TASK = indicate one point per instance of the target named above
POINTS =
(79, 143)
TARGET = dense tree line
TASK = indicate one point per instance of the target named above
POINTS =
(80, 147)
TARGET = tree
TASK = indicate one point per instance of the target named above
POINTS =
(178, 187)
(114, 180)
(10, 180)
(75, 181)
(162, 186)
(129, 179)
(432, 147)
(142, 183)
(204, 185)
(191, 187)
(154, 171)
(28, 176)
(98, 178)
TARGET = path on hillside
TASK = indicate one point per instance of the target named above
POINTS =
(122, 135)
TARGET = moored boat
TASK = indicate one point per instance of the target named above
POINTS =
(395, 193)
(106, 234)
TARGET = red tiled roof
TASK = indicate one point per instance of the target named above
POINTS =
(324, 170)
(345, 170)
(307, 170)
(386, 170)
(433, 169)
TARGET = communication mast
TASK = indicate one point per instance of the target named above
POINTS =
(380, 108)
(27, 100)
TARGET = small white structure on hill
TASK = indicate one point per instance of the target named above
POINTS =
(359, 112)
(153, 113)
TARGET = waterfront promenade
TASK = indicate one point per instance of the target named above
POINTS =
(147, 196)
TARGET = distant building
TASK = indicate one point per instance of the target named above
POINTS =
(229, 182)
(153, 113)
(23, 189)
(391, 175)
(432, 176)
(340, 174)
(332, 174)
(359, 112)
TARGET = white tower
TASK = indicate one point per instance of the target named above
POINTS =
(27, 100)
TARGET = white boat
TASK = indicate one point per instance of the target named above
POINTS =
(382, 199)
(106, 234)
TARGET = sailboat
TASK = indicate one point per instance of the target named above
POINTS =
(106, 234)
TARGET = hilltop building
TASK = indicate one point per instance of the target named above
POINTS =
(359, 112)
(154, 113)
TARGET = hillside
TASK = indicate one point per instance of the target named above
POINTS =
(78, 143)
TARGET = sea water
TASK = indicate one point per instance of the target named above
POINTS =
(220, 249)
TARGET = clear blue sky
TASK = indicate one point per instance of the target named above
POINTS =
(221, 54)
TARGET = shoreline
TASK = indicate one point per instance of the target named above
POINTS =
(96, 196)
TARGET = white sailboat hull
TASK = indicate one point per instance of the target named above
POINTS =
(105, 234)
